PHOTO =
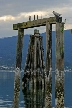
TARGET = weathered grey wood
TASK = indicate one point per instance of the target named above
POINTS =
(35, 55)
(34, 23)
(48, 47)
(34, 92)
(48, 92)
(31, 94)
(60, 46)
(48, 81)
(18, 68)
(16, 88)
(59, 75)
(27, 58)
(19, 48)
(34, 60)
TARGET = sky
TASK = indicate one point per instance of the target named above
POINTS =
(17, 11)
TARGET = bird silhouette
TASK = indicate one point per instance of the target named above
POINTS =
(56, 14)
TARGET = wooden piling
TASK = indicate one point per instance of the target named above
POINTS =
(19, 48)
(48, 79)
(59, 74)
(34, 59)
(48, 47)
(16, 88)
(48, 93)
(60, 46)
(18, 68)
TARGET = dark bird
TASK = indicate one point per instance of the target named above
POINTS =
(56, 14)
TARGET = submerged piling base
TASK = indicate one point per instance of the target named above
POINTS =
(39, 93)
(16, 88)
(59, 90)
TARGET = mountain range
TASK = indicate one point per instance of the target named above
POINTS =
(8, 49)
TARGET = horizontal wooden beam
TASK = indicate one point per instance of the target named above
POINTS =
(35, 23)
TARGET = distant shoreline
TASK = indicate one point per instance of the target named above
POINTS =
(9, 71)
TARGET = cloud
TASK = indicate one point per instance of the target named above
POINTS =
(23, 15)
(16, 11)
(15, 7)
(39, 13)
(47, 12)
(7, 18)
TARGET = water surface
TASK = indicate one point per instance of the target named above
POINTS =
(7, 92)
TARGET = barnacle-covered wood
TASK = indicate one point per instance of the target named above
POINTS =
(59, 75)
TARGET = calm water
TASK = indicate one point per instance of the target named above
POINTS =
(7, 91)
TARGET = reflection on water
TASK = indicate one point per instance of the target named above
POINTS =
(34, 99)
(37, 91)
(6, 89)
(39, 87)
(30, 98)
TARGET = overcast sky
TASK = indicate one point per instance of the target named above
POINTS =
(15, 11)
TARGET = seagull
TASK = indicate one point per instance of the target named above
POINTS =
(65, 21)
(56, 14)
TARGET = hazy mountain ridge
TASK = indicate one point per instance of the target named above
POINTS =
(8, 49)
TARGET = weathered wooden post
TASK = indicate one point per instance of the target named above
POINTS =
(19, 48)
(59, 75)
(35, 65)
(48, 47)
(35, 60)
(18, 67)
(48, 81)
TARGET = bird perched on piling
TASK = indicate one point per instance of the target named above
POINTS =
(65, 21)
(56, 14)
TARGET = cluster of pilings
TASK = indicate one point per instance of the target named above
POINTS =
(35, 56)
(34, 66)
(35, 72)
(35, 77)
